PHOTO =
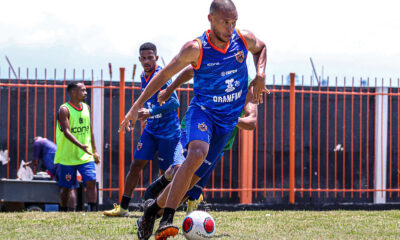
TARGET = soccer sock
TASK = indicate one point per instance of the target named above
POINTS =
(168, 216)
(93, 207)
(152, 210)
(125, 201)
(156, 187)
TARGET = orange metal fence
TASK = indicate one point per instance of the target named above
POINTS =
(312, 143)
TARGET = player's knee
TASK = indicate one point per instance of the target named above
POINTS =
(197, 154)
(170, 173)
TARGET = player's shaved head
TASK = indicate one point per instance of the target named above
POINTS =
(222, 5)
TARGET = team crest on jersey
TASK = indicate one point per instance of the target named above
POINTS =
(139, 146)
(80, 120)
(240, 56)
(68, 177)
(202, 127)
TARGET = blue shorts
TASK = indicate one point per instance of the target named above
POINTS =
(67, 178)
(168, 149)
(197, 189)
(199, 126)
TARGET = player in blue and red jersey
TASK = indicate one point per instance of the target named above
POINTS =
(220, 86)
(161, 134)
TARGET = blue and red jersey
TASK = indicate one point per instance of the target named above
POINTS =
(220, 79)
(164, 121)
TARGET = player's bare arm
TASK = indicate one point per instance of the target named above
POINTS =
(249, 119)
(259, 51)
(189, 54)
(183, 77)
(64, 123)
(95, 154)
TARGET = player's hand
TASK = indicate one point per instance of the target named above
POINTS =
(96, 158)
(258, 88)
(143, 114)
(85, 148)
(132, 115)
(163, 96)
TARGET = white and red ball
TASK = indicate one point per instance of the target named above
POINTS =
(198, 225)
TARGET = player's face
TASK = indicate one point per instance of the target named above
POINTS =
(148, 60)
(80, 92)
(223, 23)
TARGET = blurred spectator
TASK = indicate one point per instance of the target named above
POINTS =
(44, 151)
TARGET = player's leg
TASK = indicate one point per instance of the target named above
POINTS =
(170, 158)
(194, 195)
(217, 144)
(67, 183)
(198, 128)
(88, 173)
(144, 152)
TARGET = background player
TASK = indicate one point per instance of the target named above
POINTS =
(161, 134)
(44, 151)
(76, 149)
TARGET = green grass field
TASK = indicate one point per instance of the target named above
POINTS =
(230, 225)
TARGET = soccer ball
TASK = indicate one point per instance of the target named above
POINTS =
(198, 225)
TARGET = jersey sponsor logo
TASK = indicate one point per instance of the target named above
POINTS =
(80, 130)
(202, 127)
(68, 177)
(156, 116)
(212, 64)
(240, 56)
(223, 74)
(139, 146)
(229, 87)
(228, 98)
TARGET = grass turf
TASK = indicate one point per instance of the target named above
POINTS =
(230, 225)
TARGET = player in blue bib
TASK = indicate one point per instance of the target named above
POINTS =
(161, 134)
(247, 121)
(220, 84)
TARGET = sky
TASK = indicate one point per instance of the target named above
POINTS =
(345, 38)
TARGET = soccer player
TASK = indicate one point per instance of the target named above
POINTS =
(44, 151)
(218, 58)
(247, 121)
(162, 131)
(76, 149)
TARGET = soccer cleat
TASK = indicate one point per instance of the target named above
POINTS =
(166, 231)
(145, 224)
(192, 205)
(118, 211)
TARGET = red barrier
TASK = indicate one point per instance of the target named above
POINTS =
(313, 166)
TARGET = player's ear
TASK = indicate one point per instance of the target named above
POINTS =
(156, 58)
(210, 17)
